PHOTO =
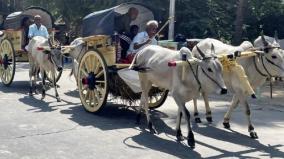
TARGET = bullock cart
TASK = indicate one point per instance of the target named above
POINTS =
(97, 77)
(14, 38)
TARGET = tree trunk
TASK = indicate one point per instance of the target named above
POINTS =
(241, 10)
(18, 5)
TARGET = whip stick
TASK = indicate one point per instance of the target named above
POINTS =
(167, 22)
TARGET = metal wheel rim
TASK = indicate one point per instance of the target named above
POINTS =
(7, 72)
(156, 102)
(93, 100)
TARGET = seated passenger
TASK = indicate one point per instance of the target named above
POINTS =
(125, 41)
(143, 39)
(25, 27)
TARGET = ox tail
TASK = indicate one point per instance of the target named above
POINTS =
(132, 65)
(72, 72)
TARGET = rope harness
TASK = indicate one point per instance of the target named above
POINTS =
(196, 75)
(268, 75)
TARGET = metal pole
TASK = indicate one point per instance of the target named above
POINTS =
(172, 21)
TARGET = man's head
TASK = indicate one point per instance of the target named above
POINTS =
(25, 22)
(151, 28)
(37, 19)
(133, 13)
(134, 29)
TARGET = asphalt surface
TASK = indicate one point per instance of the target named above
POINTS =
(35, 129)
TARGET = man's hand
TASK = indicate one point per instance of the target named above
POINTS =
(148, 41)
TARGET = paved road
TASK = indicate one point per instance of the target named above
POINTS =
(35, 129)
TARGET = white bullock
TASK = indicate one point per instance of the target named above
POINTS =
(257, 68)
(46, 58)
(204, 74)
(231, 77)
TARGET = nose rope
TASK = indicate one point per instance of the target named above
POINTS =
(211, 79)
(274, 64)
(195, 75)
(52, 61)
(197, 79)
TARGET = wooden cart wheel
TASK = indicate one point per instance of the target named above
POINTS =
(7, 62)
(159, 100)
(93, 81)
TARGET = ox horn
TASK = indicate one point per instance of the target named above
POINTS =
(212, 49)
(265, 43)
(276, 36)
(200, 52)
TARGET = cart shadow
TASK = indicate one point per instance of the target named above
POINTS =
(234, 137)
(113, 116)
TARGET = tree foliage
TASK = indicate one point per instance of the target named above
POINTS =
(194, 18)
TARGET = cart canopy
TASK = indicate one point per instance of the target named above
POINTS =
(102, 22)
(15, 20)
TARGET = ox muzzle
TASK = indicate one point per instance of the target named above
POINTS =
(223, 91)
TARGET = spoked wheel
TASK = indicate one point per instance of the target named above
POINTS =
(7, 62)
(159, 99)
(93, 81)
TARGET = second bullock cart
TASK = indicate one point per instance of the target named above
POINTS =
(14, 39)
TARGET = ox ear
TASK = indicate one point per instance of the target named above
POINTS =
(200, 52)
(265, 43)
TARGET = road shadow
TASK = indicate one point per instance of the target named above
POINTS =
(234, 137)
(72, 93)
(153, 142)
(38, 105)
(20, 87)
(44, 105)
(115, 117)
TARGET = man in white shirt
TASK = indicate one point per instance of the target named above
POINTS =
(144, 38)
(37, 29)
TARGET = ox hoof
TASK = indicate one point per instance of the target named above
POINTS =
(58, 99)
(253, 135)
(152, 128)
(153, 131)
(226, 125)
(253, 96)
(43, 96)
(190, 140)
(179, 136)
(197, 120)
(36, 91)
(209, 119)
